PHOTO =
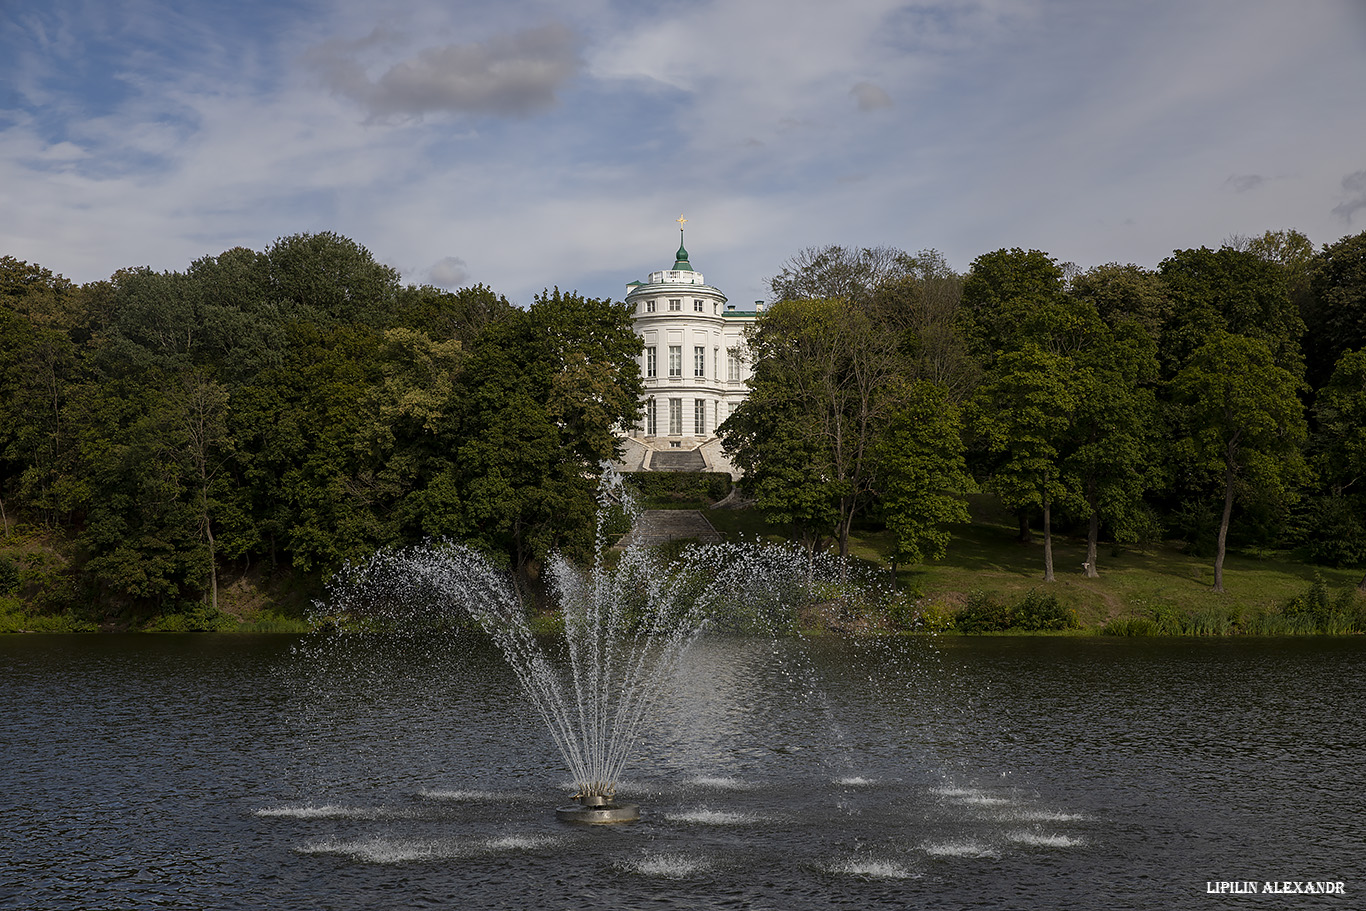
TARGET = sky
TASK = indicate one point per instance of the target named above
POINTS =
(525, 144)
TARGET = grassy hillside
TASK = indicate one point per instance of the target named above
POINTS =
(985, 561)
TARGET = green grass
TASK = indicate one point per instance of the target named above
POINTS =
(1136, 584)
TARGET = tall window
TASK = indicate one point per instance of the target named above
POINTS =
(716, 364)
(733, 365)
(651, 361)
(699, 361)
(699, 417)
(651, 417)
(676, 417)
(676, 305)
(697, 306)
(650, 306)
(675, 360)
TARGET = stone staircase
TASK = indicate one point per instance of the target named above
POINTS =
(677, 460)
(660, 526)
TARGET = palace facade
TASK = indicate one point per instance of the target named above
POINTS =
(693, 368)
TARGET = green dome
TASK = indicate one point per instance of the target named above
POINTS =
(681, 263)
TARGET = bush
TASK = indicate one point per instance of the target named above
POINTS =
(15, 619)
(680, 488)
(1038, 611)
(1131, 626)
(1317, 612)
(1035, 612)
(199, 619)
(9, 576)
(1335, 536)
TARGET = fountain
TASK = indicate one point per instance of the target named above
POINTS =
(628, 623)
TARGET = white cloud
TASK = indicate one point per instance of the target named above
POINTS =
(449, 272)
(870, 97)
(513, 74)
(1096, 132)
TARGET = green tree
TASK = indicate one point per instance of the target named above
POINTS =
(1115, 425)
(1336, 309)
(545, 392)
(1339, 454)
(1244, 423)
(769, 443)
(1233, 291)
(922, 472)
(1022, 417)
(1010, 296)
(1015, 301)
(328, 279)
(839, 376)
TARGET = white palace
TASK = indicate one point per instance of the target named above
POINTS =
(693, 368)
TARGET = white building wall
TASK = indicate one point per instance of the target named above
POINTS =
(676, 309)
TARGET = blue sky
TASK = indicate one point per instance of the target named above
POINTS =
(525, 144)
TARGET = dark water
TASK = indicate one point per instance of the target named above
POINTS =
(231, 772)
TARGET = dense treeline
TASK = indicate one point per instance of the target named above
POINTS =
(279, 413)
(1219, 399)
(290, 410)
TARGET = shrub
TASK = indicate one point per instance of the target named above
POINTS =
(1336, 537)
(1036, 612)
(9, 576)
(198, 619)
(1317, 612)
(1131, 626)
(676, 488)
(982, 614)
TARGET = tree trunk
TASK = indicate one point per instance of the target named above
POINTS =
(1047, 536)
(4, 517)
(845, 524)
(213, 565)
(1092, 534)
(1026, 536)
(1223, 529)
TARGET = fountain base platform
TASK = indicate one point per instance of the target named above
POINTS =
(596, 809)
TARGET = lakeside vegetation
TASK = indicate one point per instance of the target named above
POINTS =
(1026, 446)
(986, 576)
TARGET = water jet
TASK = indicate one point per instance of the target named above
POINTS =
(628, 623)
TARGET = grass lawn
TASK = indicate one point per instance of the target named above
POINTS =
(984, 556)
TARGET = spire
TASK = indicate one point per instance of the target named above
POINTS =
(681, 263)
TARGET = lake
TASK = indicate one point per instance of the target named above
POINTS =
(282, 772)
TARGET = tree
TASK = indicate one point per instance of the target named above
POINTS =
(1336, 310)
(922, 471)
(769, 443)
(848, 273)
(1244, 423)
(1289, 249)
(39, 313)
(1232, 291)
(1022, 416)
(1339, 451)
(1124, 295)
(1112, 450)
(328, 279)
(1015, 301)
(1008, 297)
(544, 392)
(838, 376)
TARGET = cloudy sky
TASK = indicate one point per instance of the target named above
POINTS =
(528, 143)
